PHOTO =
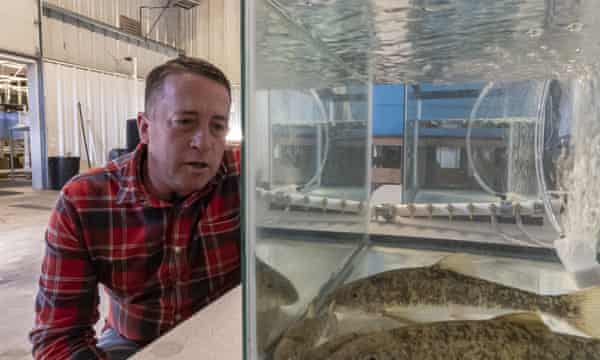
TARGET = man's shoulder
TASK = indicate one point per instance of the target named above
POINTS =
(102, 180)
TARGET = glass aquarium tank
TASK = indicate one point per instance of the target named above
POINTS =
(466, 223)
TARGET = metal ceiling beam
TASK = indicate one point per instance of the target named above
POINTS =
(59, 13)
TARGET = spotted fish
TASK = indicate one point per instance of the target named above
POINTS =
(272, 288)
(325, 328)
(520, 336)
(450, 290)
(273, 291)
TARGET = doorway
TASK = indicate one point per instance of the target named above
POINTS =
(21, 133)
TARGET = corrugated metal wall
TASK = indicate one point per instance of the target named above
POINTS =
(107, 102)
(99, 77)
(212, 31)
(108, 11)
(73, 44)
(20, 32)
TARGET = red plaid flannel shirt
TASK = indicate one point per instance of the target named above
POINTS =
(159, 262)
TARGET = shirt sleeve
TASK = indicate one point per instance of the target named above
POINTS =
(66, 304)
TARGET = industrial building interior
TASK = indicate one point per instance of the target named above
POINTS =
(377, 135)
(74, 69)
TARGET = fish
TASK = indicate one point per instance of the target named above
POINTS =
(270, 324)
(451, 290)
(303, 335)
(272, 288)
(508, 337)
(315, 330)
(273, 291)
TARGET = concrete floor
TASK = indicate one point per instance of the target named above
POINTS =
(21, 250)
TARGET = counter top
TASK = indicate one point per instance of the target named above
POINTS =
(215, 332)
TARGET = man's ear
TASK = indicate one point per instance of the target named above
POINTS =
(143, 123)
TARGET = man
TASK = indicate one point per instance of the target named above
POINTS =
(158, 228)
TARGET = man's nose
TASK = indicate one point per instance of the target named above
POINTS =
(200, 139)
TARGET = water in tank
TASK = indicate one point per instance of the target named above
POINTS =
(418, 173)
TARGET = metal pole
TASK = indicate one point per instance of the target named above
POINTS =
(158, 18)
(405, 150)
(12, 154)
(43, 150)
(19, 94)
(415, 170)
(87, 153)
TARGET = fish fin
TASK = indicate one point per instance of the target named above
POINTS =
(525, 318)
(331, 307)
(459, 263)
(311, 312)
(589, 314)
(327, 349)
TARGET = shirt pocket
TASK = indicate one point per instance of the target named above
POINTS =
(131, 267)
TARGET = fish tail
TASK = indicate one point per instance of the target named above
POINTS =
(588, 316)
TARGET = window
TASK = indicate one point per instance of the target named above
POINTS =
(448, 157)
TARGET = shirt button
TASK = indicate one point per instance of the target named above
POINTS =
(177, 250)
(178, 317)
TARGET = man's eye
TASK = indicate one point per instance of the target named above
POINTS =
(219, 129)
(183, 122)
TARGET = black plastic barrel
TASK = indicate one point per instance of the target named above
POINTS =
(61, 169)
(133, 137)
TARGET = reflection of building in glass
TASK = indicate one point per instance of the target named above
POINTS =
(442, 113)
(388, 123)
(317, 138)
(472, 138)
(475, 138)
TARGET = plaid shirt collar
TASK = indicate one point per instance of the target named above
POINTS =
(133, 191)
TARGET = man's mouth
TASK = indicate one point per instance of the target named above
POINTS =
(197, 164)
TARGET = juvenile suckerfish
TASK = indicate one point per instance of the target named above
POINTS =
(272, 288)
(303, 335)
(325, 328)
(450, 290)
(512, 337)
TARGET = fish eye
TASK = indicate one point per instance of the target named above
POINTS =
(355, 295)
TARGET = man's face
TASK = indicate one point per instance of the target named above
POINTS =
(185, 133)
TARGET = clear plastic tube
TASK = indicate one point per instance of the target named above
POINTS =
(539, 151)
(309, 184)
(478, 178)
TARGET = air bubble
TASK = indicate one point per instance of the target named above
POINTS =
(535, 32)
(575, 27)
